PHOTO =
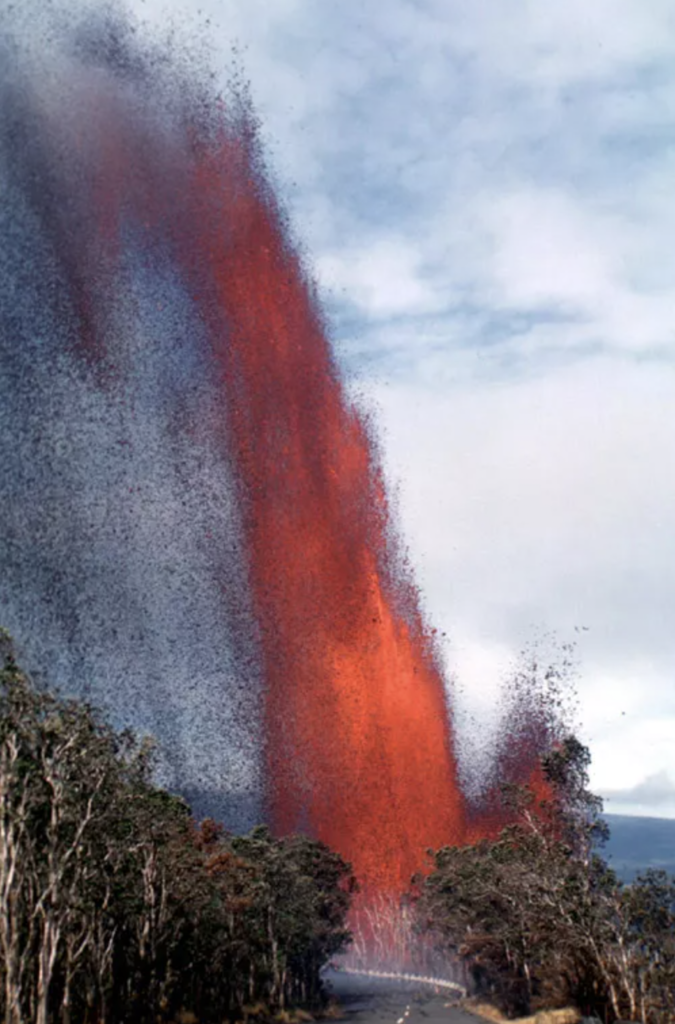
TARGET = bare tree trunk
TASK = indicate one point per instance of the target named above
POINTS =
(64, 871)
(49, 947)
(12, 999)
(528, 978)
(275, 955)
(65, 1002)
(76, 945)
(12, 879)
(103, 951)
(643, 1007)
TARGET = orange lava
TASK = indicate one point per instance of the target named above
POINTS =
(359, 750)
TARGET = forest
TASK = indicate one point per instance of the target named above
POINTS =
(117, 905)
(538, 918)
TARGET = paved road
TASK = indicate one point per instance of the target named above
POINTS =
(369, 1001)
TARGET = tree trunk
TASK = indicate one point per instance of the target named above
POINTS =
(11, 955)
(275, 958)
(528, 978)
(12, 999)
(12, 879)
(65, 1003)
(46, 960)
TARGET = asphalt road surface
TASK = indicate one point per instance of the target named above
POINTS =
(374, 1001)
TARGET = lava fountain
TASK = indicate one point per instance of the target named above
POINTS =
(195, 514)
(359, 746)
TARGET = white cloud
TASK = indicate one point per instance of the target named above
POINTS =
(545, 502)
(546, 252)
(656, 791)
(560, 45)
(384, 279)
(553, 255)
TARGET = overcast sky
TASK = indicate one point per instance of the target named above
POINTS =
(485, 190)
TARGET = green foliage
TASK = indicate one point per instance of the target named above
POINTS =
(115, 905)
(540, 920)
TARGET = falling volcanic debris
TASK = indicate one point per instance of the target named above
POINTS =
(195, 530)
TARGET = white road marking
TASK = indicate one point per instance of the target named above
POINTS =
(399, 976)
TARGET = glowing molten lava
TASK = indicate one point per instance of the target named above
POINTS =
(358, 741)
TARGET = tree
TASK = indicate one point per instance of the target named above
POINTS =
(64, 783)
(303, 896)
(538, 916)
(116, 905)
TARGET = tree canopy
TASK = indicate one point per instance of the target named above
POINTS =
(116, 905)
(540, 920)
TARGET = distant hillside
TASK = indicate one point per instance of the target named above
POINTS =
(640, 843)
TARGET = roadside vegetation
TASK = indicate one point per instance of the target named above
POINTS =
(537, 918)
(115, 905)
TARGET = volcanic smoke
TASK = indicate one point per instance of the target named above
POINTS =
(198, 516)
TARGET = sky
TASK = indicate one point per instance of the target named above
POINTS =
(485, 192)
